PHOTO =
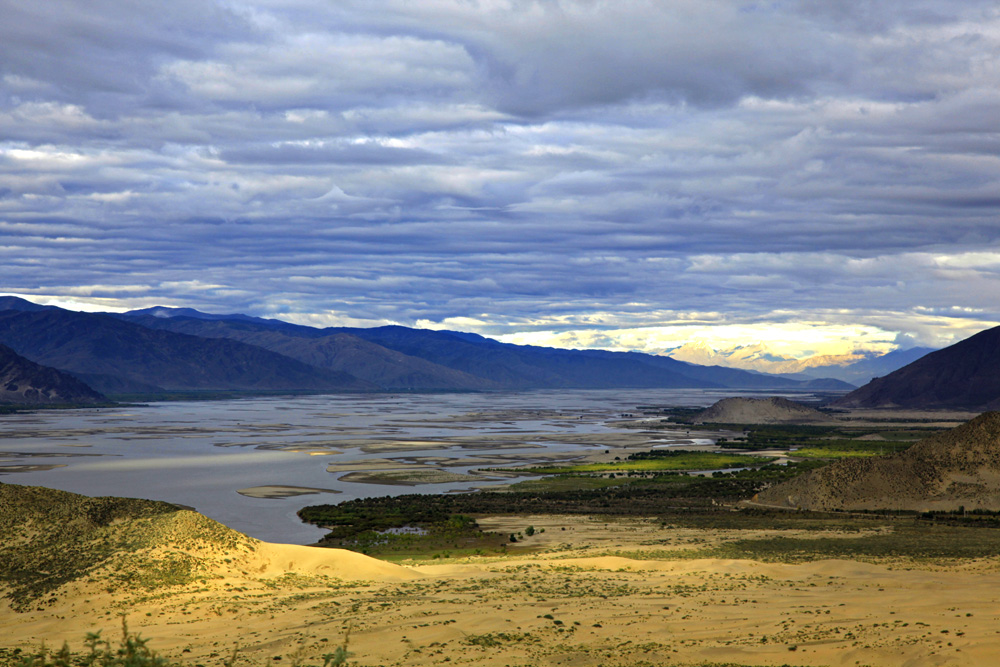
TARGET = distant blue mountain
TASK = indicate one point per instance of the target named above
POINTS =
(401, 357)
(114, 355)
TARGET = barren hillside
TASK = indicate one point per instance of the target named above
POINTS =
(957, 468)
(772, 410)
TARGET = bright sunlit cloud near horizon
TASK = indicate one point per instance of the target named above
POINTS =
(787, 339)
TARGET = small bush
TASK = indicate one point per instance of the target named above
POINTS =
(131, 652)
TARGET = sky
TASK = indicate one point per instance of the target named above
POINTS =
(817, 175)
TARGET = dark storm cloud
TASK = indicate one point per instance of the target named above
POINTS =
(105, 52)
(507, 165)
(537, 57)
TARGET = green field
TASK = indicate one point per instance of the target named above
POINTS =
(839, 449)
(659, 461)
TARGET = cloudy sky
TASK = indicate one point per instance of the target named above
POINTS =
(815, 174)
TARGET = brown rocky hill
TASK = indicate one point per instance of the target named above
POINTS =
(25, 382)
(949, 470)
(773, 410)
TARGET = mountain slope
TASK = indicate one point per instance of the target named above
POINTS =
(25, 382)
(957, 468)
(964, 375)
(442, 359)
(387, 369)
(114, 356)
(525, 366)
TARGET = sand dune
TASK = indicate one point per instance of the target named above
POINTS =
(568, 611)
(276, 559)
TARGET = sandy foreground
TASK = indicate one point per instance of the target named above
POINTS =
(583, 592)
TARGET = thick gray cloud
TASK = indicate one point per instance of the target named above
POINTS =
(508, 165)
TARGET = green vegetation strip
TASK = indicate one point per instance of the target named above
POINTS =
(791, 436)
(661, 461)
(368, 524)
(133, 651)
(843, 450)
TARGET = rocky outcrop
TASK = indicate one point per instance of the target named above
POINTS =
(773, 410)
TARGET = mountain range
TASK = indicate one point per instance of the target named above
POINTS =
(163, 349)
(396, 357)
(116, 356)
(857, 367)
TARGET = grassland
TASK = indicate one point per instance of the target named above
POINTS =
(658, 461)
(839, 449)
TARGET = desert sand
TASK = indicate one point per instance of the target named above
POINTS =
(583, 592)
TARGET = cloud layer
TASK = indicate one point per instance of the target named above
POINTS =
(556, 170)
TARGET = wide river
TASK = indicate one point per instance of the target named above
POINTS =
(201, 454)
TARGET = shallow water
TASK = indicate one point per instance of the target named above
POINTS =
(200, 453)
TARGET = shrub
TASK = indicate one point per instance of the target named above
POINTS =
(131, 652)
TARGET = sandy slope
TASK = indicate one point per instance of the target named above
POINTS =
(271, 560)
(570, 600)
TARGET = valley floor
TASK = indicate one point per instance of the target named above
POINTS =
(583, 592)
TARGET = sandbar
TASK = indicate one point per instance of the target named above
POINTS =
(30, 467)
(411, 477)
(281, 491)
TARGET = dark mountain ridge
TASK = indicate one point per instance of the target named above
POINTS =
(385, 368)
(965, 375)
(24, 382)
(120, 356)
